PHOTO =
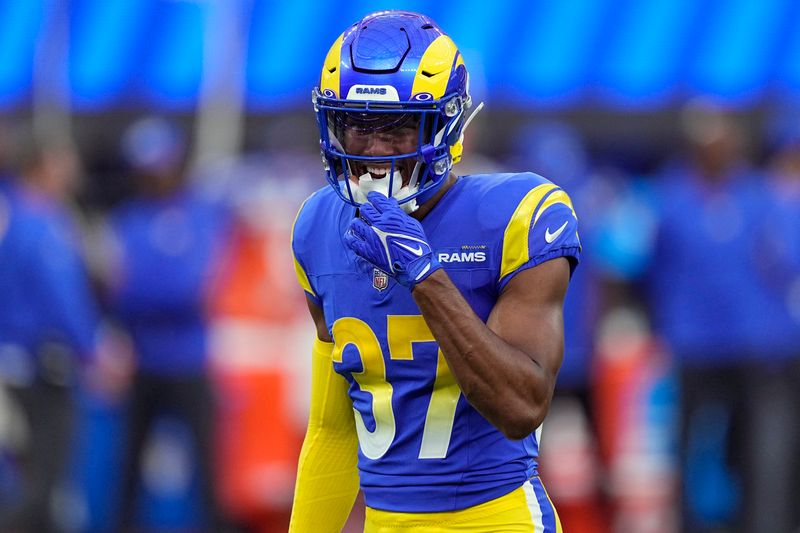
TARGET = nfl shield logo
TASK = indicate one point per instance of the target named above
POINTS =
(380, 279)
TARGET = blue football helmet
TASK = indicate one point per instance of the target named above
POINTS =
(391, 70)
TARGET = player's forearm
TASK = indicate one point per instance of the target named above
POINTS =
(507, 386)
(327, 473)
(327, 482)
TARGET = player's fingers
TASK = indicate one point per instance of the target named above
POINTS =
(355, 243)
(381, 202)
(350, 237)
(369, 213)
(357, 229)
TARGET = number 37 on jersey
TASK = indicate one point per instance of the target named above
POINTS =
(402, 332)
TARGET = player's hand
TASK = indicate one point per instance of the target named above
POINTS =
(392, 241)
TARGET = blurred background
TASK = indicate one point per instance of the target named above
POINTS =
(154, 345)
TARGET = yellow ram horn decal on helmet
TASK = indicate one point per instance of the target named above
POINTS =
(435, 67)
(331, 69)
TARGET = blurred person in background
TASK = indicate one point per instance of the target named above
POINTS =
(165, 240)
(437, 300)
(697, 250)
(774, 397)
(5, 149)
(48, 322)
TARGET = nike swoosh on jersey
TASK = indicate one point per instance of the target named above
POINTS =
(416, 251)
(550, 237)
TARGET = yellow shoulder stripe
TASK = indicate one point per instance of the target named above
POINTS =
(302, 278)
(435, 67)
(558, 197)
(331, 69)
(515, 238)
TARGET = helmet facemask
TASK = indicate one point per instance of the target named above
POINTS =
(412, 176)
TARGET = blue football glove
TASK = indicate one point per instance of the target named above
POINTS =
(389, 239)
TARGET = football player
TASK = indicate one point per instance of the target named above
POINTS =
(437, 300)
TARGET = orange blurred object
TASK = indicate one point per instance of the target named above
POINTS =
(570, 467)
(636, 423)
(259, 331)
(256, 279)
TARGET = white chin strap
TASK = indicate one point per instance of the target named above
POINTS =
(366, 184)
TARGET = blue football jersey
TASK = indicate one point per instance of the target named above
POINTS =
(422, 446)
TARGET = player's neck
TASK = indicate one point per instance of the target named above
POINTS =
(426, 208)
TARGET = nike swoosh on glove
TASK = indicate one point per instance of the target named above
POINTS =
(392, 241)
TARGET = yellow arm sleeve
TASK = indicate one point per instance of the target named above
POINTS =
(327, 475)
